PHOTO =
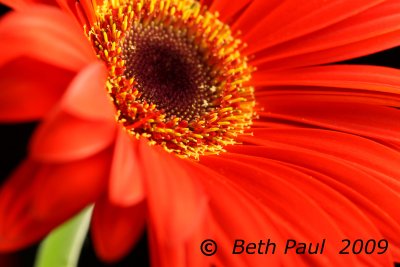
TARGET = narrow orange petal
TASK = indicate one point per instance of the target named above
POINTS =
(175, 198)
(227, 9)
(377, 122)
(126, 179)
(25, 4)
(87, 96)
(31, 198)
(64, 137)
(371, 196)
(115, 229)
(29, 89)
(47, 34)
(367, 32)
(360, 77)
(290, 20)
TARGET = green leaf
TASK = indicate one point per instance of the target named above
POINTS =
(62, 247)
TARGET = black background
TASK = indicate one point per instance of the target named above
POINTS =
(14, 139)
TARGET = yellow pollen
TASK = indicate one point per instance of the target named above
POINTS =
(176, 74)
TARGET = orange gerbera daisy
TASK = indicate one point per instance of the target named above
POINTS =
(205, 120)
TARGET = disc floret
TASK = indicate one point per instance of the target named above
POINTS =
(176, 74)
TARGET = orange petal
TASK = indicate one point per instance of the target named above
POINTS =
(374, 198)
(326, 94)
(365, 154)
(70, 185)
(25, 4)
(349, 38)
(46, 34)
(182, 255)
(29, 89)
(17, 228)
(115, 230)
(353, 50)
(163, 255)
(272, 181)
(30, 200)
(227, 9)
(206, 2)
(361, 119)
(192, 255)
(64, 137)
(68, 132)
(256, 11)
(87, 96)
(83, 11)
(176, 201)
(372, 78)
(289, 20)
(126, 180)
(237, 213)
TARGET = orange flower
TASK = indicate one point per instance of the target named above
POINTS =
(164, 116)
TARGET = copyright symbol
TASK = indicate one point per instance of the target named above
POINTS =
(208, 247)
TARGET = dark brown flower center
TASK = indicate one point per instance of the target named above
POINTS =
(169, 71)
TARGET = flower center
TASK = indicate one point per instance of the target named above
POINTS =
(169, 70)
(176, 74)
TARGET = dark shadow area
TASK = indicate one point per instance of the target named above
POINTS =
(387, 58)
